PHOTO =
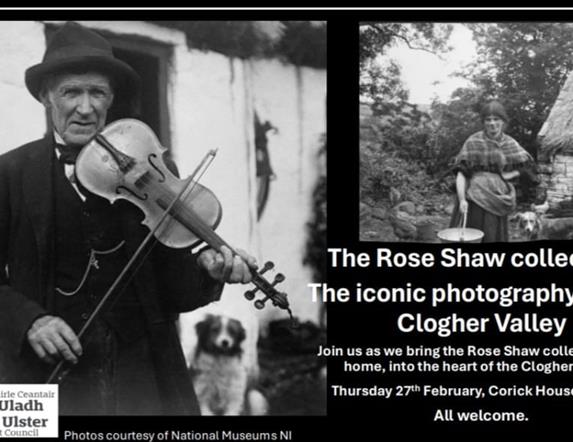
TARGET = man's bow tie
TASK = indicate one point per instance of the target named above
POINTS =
(68, 154)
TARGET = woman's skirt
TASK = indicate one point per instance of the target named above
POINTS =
(495, 228)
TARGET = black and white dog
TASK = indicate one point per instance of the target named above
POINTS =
(220, 375)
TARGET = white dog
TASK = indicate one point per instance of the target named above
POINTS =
(220, 375)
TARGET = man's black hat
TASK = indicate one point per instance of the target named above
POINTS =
(75, 48)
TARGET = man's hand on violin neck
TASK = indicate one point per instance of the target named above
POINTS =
(223, 266)
(52, 339)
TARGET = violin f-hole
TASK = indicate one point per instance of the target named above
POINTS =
(149, 158)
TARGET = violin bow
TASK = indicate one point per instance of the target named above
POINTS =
(58, 373)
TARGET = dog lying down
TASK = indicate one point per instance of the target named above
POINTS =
(534, 225)
(220, 375)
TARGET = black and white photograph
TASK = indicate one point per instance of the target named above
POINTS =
(167, 272)
(162, 211)
(465, 131)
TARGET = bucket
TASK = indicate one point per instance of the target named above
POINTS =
(461, 234)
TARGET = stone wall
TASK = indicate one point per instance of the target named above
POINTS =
(557, 183)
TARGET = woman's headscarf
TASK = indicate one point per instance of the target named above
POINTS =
(493, 108)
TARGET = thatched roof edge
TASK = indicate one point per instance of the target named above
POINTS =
(557, 131)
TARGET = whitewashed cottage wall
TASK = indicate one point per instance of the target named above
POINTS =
(212, 99)
(22, 119)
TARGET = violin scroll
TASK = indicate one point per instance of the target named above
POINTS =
(279, 299)
(274, 295)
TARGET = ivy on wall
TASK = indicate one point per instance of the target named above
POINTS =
(302, 43)
(315, 254)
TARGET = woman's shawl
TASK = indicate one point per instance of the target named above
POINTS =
(481, 153)
(492, 193)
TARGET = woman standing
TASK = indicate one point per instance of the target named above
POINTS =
(484, 166)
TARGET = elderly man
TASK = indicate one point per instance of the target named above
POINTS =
(62, 247)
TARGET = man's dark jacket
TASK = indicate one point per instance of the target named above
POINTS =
(168, 282)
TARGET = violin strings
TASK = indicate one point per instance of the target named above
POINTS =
(189, 218)
(186, 214)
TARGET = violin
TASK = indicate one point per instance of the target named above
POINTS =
(125, 161)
